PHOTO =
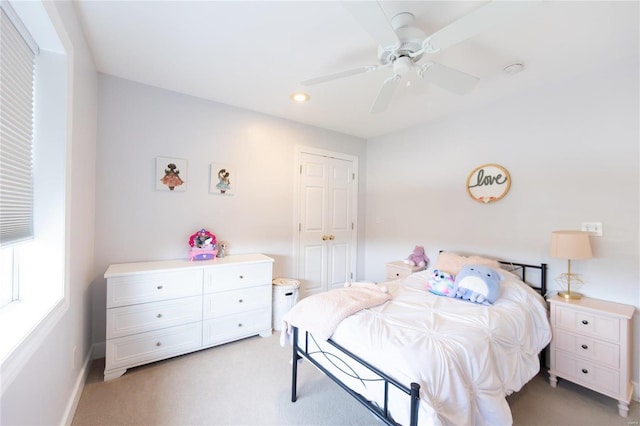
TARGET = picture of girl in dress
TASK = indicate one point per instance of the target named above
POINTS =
(223, 179)
(224, 183)
(171, 174)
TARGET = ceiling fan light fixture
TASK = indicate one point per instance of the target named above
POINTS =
(300, 97)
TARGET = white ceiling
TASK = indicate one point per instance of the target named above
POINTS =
(253, 55)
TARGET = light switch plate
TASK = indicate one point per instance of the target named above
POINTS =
(595, 228)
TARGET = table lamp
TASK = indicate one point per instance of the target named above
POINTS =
(570, 245)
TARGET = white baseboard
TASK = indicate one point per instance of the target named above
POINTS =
(77, 389)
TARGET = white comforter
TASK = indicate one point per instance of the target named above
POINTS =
(465, 357)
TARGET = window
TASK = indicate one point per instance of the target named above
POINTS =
(17, 55)
(37, 283)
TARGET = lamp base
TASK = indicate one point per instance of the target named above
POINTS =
(570, 295)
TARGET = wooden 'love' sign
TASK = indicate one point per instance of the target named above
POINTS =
(488, 183)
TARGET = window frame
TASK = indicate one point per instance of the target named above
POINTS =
(44, 263)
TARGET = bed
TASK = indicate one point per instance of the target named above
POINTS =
(421, 358)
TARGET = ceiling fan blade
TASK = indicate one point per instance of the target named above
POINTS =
(341, 74)
(484, 17)
(372, 18)
(448, 78)
(385, 94)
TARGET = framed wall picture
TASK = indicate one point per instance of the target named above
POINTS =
(171, 174)
(488, 183)
(223, 179)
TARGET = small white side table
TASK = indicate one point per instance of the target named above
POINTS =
(398, 269)
(591, 346)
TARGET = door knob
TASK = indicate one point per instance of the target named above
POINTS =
(324, 238)
(332, 237)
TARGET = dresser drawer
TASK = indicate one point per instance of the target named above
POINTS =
(141, 348)
(589, 324)
(152, 287)
(236, 276)
(135, 319)
(588, 373)
(594, 350)
(234, 301)
(232, 327)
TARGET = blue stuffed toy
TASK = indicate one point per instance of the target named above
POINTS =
(441, 283)
(478, 284)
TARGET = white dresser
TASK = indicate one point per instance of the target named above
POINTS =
(591, 346)
(156, 310)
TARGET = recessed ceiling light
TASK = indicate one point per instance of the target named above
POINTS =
(513, 69)
(300, 97)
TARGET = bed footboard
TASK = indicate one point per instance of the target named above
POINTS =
(412, 391)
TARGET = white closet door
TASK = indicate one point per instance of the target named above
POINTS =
(326, 228)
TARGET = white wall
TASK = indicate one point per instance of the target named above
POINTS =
(45, 390)
(572, 151)
(135, 222)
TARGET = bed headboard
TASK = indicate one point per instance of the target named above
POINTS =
(539, 272)
(521, 269)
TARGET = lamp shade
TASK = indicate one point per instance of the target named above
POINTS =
(570, 245)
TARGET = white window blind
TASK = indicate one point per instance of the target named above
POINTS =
(17, 65)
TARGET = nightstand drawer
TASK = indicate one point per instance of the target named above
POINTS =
(398, 270)
(588, 373)
(589, 324)
(591, 349)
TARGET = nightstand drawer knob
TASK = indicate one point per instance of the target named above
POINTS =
(585, 322)
(585, 371)
(585, 347)
(397, 274)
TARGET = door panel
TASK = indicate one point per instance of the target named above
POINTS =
(338, 265)
(314, 211)
(325, 241)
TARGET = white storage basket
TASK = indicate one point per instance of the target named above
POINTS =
(285, 295)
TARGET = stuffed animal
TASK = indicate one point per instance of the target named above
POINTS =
(478, 284)
(441, 283)
(417, 258)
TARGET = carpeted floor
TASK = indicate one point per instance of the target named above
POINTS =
(248, 383)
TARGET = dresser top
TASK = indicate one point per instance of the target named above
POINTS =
(596, 305)
(118, 269)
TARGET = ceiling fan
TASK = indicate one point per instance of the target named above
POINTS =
(401, 46)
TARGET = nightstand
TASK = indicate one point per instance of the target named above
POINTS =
(591, 346)
(398, 270)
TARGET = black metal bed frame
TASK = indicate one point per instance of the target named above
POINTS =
(413, 390)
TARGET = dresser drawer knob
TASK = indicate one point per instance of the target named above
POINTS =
(158, 344)
(240, 325)
(159, 287)
(240, 300)
(585, 347)
(585, 322)
(585, 371)
(241, 276)
(159, 316)
(397, 274)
